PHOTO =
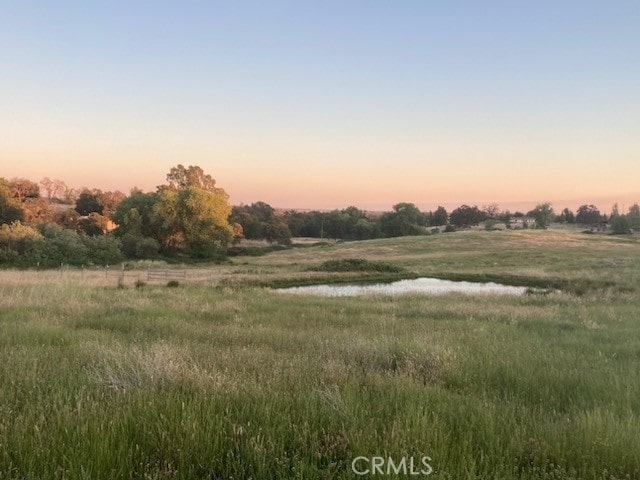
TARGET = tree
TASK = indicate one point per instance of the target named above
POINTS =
(440, 216)
(543, 215)
(202, 220)
(588, 214)
(492, 211)
(88, 203)
(260, 221)
(466, 216)
(142, 222)
(566, 216)
(634, 216)
(54, 189)
(22, 188)
(405, 219)
(94, 224)
(620, 225)
(192, 176)
(10, 208)
(109, 201)
(38, 210)
(191, 217)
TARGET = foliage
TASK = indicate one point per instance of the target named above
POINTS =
(350, 223)
(10, 208)
(440, 217)
(51, 245)
(134, 246)
(405, 219)
(22, 189)
(180, 178)
(620, 224)
(588, 215)
(466, 216)
(193, 218)
(566, 216)
(634, 216)
(259, 221)
(93, 224)
(356, 265)
(134, 215)
(543, 215)
(87, 203)
(55, 189)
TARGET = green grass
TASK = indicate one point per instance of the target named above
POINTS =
(214, 380)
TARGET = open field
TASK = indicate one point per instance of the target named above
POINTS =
(222, 378)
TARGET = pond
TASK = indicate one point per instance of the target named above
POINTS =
(428, 286)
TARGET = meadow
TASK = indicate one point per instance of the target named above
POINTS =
(222, 378)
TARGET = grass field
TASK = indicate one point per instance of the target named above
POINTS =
(221, 378)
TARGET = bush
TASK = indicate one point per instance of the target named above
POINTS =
(620, 225)
(102, 250)
(356, 265)
(449, 228)
(139, 247)
(173, 284)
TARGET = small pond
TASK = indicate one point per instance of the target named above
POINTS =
(429, 286)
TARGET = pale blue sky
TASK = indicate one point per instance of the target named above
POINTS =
(315, 104)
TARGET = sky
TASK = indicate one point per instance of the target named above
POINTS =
(325, 104)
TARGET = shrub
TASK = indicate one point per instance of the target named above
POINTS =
(620, 225)
(173, 284)
(356, 265)
(449, 228)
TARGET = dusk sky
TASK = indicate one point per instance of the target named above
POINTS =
(328, 104)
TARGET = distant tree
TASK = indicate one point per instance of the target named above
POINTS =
(10, 208)
(109, 201)
(543, 215)
(38, 210)
(615, 210)
(466, 216)
(405, 219)
(440, 216)
(492, 211)
(54, 189)
(260, 221)
(634, 216)
(566, 216)
(620, 224)
(87, 203)
(588, 215)
(22, 188)
(506, 218)
(180, 177)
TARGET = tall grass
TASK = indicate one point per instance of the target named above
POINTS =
(211, 381)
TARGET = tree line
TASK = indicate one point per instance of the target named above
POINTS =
(47, 223)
